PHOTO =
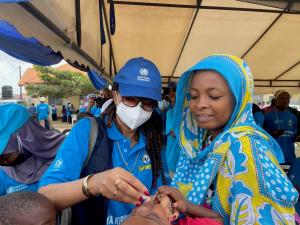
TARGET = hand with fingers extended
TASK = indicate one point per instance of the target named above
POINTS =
(119, 185)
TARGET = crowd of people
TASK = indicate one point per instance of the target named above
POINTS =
(190, 155)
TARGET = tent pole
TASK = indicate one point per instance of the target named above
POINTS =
(109, 39)
(78, 21)
(187, 37)
(287, 70)
(49, 24)
(188, 6)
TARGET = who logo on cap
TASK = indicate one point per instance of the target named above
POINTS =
(139, 77)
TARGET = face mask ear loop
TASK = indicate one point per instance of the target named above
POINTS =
(20, 145)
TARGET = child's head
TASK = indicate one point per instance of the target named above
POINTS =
(26, 208)
(211, 101)
(156, 211)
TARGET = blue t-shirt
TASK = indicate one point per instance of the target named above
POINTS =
(259, 118)
(9, 185)
(288, 122)
(32, 110)
(138, 163)
(82, 109)
(42, 111)
(73, 152)
(68, 111)
(173, 147)
(96, 111)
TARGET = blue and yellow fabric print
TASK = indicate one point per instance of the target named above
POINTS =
(242, 162)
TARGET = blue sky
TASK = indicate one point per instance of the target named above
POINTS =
(9, 71)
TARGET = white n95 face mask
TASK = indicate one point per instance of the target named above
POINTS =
(133, 117)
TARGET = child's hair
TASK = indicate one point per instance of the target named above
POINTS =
(22, 205)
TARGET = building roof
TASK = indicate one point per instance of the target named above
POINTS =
(31, 75)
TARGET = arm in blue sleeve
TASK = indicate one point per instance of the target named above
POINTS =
(71, 156)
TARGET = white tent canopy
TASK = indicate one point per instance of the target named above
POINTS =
(174, 34)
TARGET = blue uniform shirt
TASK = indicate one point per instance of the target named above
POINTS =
(73, 152)
(172, 148)
(82, 109)
(42, 111)
(9, 185)
(138, 163)
(96, 111)
(70, 157)
(259, 118)
(32, 110)
(288, 122)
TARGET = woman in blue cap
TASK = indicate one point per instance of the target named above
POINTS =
(228, 163)
(125, 164)
(26, 150)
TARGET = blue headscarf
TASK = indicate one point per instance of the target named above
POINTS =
(12, 117)
(241, 162)
(240, 81)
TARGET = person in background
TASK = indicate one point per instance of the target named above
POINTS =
(54, 112)
(43, 113)
(69, 112)
(297, 114)
(91, 101)
(125, 164)
(32, 111)
(227, 162)
(106, 99)
(258, 115)
(26, 208)
(64, 114)
(104, 95)
(282, 125)
(82, 107)
(26, 149)
(172, 146)
(270, 108)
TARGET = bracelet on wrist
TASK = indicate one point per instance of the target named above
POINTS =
(85, 187)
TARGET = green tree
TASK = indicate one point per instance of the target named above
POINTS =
(59, 84)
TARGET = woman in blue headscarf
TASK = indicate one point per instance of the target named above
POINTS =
(26, 149)
(227, 162)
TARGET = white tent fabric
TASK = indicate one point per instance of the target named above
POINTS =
(174, 34)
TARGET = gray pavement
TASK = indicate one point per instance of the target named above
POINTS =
(59, 125)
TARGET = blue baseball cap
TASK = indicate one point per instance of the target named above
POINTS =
(139, 77)
(12, 117)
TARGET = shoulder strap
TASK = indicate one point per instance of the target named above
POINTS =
(92, 138)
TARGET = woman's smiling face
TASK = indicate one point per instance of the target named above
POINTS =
(211, 100)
